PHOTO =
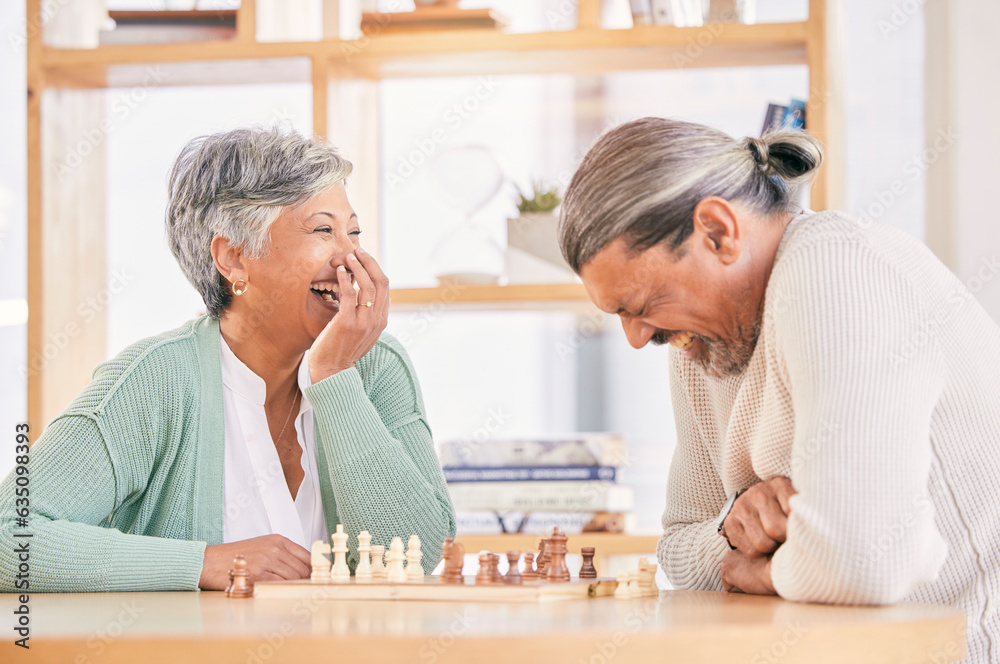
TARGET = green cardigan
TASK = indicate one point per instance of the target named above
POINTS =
(126, 484)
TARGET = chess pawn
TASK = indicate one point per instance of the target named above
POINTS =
(414, 572)
(453, 554)
(587, 570)
(340, 571)
(555, 569)
(320, 563)
(485, 573)
(513, 575)
(622, 591)
(378, 566)
(396, 572)
(529, 573)
(364, 569)
(240, 583)
(495, 568)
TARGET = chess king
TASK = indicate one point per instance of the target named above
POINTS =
(836, 389)
(256, 429)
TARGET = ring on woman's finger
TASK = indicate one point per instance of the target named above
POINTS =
(366, 304)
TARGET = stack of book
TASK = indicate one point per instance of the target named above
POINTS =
(532, 485)
(779, 116)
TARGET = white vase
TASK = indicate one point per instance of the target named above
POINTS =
(533, 254)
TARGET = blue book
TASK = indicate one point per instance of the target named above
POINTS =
(528, 473)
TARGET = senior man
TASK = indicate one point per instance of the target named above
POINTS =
(836, 389)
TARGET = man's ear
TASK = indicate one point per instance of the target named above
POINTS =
(228, 259)
(717, 227)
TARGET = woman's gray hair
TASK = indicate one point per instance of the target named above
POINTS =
(643, 179)
(235, 184)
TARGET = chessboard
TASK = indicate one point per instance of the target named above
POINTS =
(431, 588)
(398, 575)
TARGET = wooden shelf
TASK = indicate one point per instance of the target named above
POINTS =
(422, 54)
(522, 296)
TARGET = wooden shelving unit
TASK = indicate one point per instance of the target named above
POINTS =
(66, 219)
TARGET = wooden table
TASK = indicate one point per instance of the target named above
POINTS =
(678, 626)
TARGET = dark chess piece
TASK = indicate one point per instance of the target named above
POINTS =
(587, 570)
(555, 569)
(486, 573)
(495, 568)
(529, 573)
(542, 558)
(453, 554)
(513, 575)
(240, 583)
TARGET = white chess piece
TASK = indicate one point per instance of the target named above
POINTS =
(647, 578)
(378, 566)
(395, 558)
(340, 571)
(414, 572)
(364, 569)
(320, 563)
(621, 590)
(634, 590)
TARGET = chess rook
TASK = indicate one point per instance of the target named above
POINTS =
(587, 570)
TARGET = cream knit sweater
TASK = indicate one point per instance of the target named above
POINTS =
(875, 387)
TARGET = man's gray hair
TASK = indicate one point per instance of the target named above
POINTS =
(643, 179)
(235, 184)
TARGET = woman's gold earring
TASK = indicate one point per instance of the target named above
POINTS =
(239, 290)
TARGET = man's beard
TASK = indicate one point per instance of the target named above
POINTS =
(721, 359)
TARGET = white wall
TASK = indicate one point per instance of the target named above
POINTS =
(13, 230)
(962, 96)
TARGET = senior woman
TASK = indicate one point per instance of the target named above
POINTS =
(836, 389)
(255, 429)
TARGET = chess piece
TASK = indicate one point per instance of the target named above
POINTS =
(495, 568)
(395, 573)
(513, 577)
(486, 574)
(621, 590)
(320, 563)
(587, 570)
(378, 566)
(555, 568)
(453, 554)
(240, 583)
(529, 573)
(647, 578)
(414, 572)
(634, 591)
(340, 571)
(541, 559)
(363, 571)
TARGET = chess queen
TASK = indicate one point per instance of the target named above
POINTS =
(256, 428)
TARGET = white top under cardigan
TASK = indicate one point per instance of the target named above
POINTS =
(257, 500)
(875, 387)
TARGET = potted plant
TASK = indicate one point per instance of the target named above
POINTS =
(533, 254)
